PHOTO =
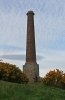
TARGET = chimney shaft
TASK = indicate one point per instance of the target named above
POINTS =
(30, 46)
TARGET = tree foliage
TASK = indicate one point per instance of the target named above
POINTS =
(11, 73)
(55, 78)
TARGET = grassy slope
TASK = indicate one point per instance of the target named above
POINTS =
(12, 91)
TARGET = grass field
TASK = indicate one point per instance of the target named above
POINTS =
(13, 91)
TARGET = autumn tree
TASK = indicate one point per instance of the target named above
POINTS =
(11, 73)
(53, 78)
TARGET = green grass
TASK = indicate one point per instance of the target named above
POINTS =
(13, 91)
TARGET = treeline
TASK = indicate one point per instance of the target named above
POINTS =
(11, 73)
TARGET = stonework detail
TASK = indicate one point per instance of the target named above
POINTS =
(32, 72)
(31, 68)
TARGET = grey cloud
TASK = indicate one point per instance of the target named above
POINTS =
(18, 57)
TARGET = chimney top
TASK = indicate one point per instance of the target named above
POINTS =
(30, 12)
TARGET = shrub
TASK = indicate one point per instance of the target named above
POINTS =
(63, 81)
(40, 80)
(11, 73)
(54, 78)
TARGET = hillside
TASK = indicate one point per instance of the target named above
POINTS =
(13, 91)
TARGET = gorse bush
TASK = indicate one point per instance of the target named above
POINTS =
(55, 78)
(11, 73)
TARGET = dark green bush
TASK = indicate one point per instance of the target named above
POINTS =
(11, 73)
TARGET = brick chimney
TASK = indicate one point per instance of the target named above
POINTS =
(31, 68)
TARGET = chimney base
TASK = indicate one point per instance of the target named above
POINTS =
(32, 71)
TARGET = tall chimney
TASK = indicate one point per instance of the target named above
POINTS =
(30, 49)
(31, 68)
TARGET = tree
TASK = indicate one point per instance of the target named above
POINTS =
(11, 73)
(53, 78)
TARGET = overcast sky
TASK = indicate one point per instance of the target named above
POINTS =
(49, 30)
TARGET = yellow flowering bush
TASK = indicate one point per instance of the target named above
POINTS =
(55, 78)
(11, 73)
